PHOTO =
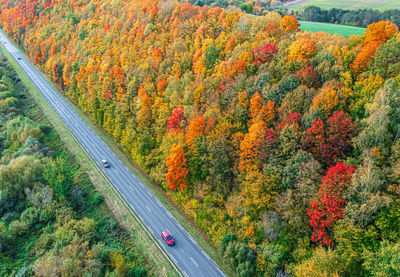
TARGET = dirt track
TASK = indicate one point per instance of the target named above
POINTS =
(295, 2)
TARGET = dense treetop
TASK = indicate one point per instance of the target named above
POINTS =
(281, 144)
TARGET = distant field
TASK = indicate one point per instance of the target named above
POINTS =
(348, 4)
(342, 30)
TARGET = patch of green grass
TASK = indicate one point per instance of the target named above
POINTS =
(147, 248)
(342, 30)
(351, 4)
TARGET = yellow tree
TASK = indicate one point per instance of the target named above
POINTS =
(301, 49)
(257, 192)
(259, 111)
(327, 100)
(375, 35)
(289, 23)
(243, 100)
(380, 32)
(230, 45)
(250, 147)
(144, 116)
(195, 128)
(177, 170)
(361, 61)
(256, 105)
(269, 111)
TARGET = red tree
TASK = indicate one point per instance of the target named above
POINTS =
(307, 76)
(264, 54)
(174, 120)
(291, 118)
(314, 138)
(328, 208)
(340, 129)
(329, 141)
(270, 144)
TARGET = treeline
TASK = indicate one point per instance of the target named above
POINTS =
(250, 7)
(217, 3)
(52, 220)
(359, 17)
(282, 145)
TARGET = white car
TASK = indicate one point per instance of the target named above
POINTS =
(105, 163)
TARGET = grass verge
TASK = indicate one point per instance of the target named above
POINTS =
(116, 205)
(159, 264)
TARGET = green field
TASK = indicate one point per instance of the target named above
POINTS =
(342, 30)
(350, 4)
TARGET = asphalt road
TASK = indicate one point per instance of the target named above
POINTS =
(186, 254)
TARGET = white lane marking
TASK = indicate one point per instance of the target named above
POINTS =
(169, 214)
(184, 273)
(180, 227)
(173, 259)
(205, 254)
(194, 261)
(220, 271)
(192, 239)
(148, 208)
(131, 189)
(159, 203)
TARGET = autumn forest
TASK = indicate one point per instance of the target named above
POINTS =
(282, 145)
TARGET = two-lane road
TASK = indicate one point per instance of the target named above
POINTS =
(186, 254)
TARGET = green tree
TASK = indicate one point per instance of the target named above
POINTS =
(240, 258)
(60, 174)
(364, 195)
(386, 61)
(211, 55)
(385, 261)
(19, 174)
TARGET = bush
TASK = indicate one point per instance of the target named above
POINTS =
(95, 199)
(137, 272)
(8, 103)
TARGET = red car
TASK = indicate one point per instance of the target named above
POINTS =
(168, 238)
